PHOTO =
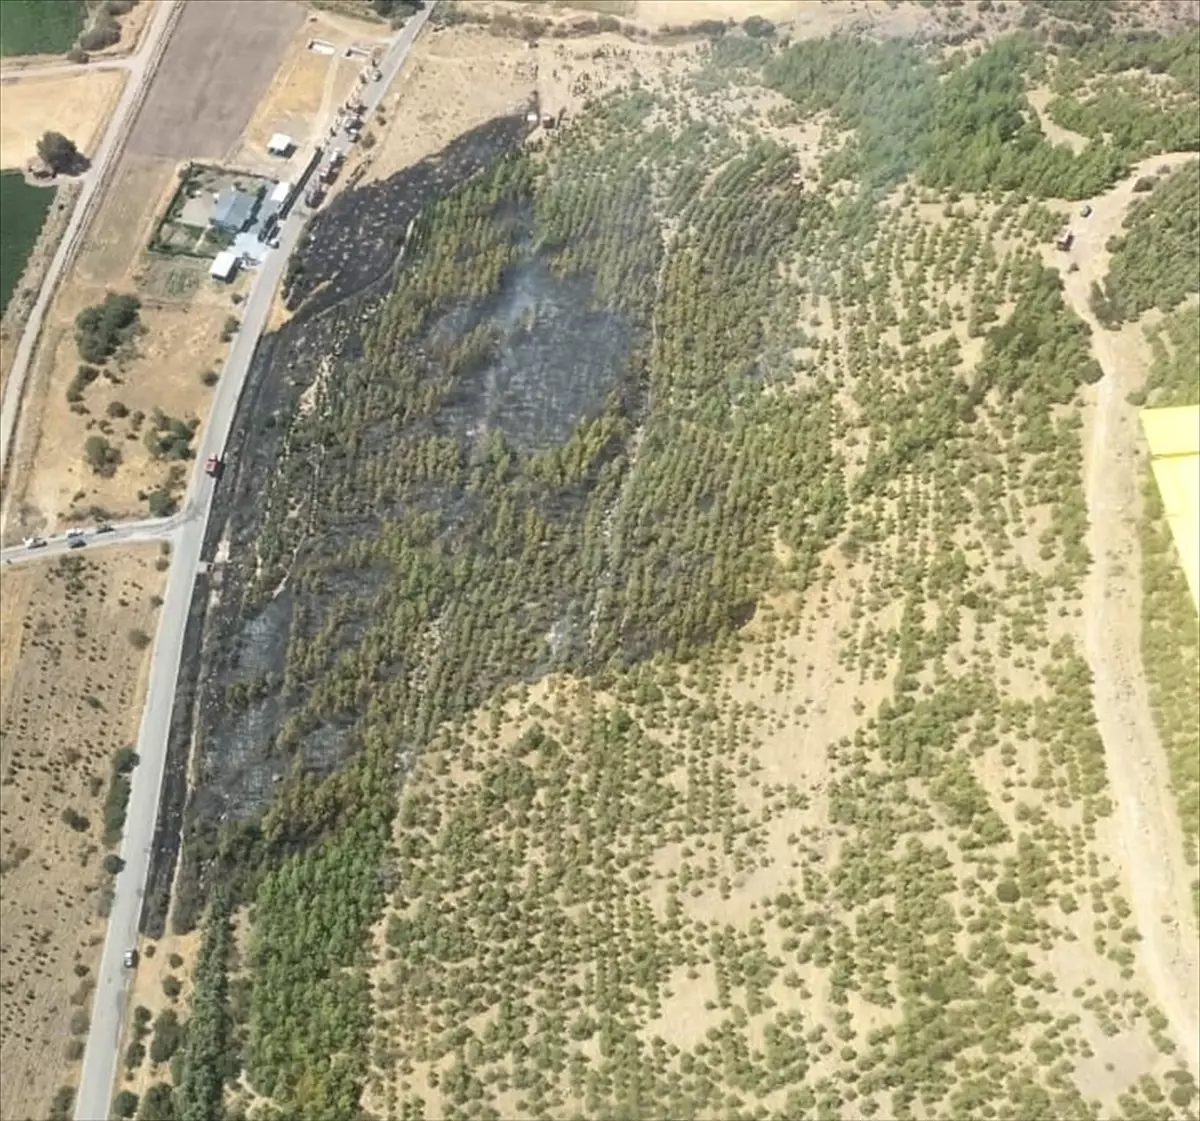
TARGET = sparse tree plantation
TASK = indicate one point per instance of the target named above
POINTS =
(682, 709)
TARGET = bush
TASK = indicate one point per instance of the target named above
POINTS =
(117, 7)
(135, 1054)
(79, 1022)
(98, 37)
(168, 1034)
(138, 639)
(73, 818)
(125, 1104)
(158, 1103)
(62, 1103)
(161, 504)
(73, 1051)
(59, 152)
(758, 28)
(125, 760)
(101, 328)
(1008, 892)
(103, 458)
(75, 54)
(172, 986)
(175, 961)
(84, 376)
(113, 864)
(210, 377)
(117, 409)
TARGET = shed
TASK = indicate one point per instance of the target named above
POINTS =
(233, 210)
(281, 144)
(224, 266)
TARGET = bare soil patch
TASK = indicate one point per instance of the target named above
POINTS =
(76, 104)
(71, 685)
(217, 66)
(132, 204)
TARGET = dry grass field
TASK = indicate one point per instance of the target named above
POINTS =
(220, 61)
(72, 674)
(76, 104)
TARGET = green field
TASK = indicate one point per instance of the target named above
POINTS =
(40, 26)
(24, 209)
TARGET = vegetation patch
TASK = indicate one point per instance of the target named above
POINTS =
(40, 26)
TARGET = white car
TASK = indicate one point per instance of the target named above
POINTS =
(74, 533)
(34, 542)
(130, 958)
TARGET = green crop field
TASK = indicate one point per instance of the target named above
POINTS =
(24, 209)
(40, 26)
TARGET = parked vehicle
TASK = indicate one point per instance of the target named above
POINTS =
(130, 958)
(34, 542)
(76, 543)
(104, 527)
(213, 466)
(72, 533)
(1086, 211)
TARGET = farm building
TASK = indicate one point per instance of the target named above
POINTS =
(1174, 439)
(233, 210)
(224, 266)
(281, 144)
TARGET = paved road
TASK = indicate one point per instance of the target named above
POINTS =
(112, 992)
(141, 69)
(123, 533)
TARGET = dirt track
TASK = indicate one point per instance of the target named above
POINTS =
(223, 56)
(1152, 842)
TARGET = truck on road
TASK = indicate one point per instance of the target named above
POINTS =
(213, 466)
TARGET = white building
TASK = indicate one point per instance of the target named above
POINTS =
(224, 266)
(280, 144)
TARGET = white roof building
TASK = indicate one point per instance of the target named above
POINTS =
(280, 144)
(224, 265)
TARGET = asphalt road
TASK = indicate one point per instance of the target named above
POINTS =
(122, 533)
(187, 532)
(141, 68)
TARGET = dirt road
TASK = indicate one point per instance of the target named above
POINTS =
(1151, 837)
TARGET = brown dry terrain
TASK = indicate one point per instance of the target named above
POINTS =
(71, 684)
(307, 90)
(219, 63)
(76, 104)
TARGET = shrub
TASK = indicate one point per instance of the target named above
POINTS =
(113, 864)
(138, 639)
(75, 54)
(161, 503)
(99, 36)
(158, 1103)
(125, 1104)
(59, 152)
(73, 1051)
(175, 961)
(168, 1034)
(172, 986)
(62, 1103)
(1008, 892)
(210, 377)
(79, 1022)
(115, 804)
(101, 328)
(73, 818)
(125, 760)
(117, 7)
(102, 456)
(135, 1053)
(117, 409)
(758, 28)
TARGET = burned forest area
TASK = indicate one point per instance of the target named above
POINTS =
(639, 669)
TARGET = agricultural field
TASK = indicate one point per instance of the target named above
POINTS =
(25, 208)
(684, 636)
(74, 652)
(40, 26)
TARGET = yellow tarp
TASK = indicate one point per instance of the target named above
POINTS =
(1174, 439)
